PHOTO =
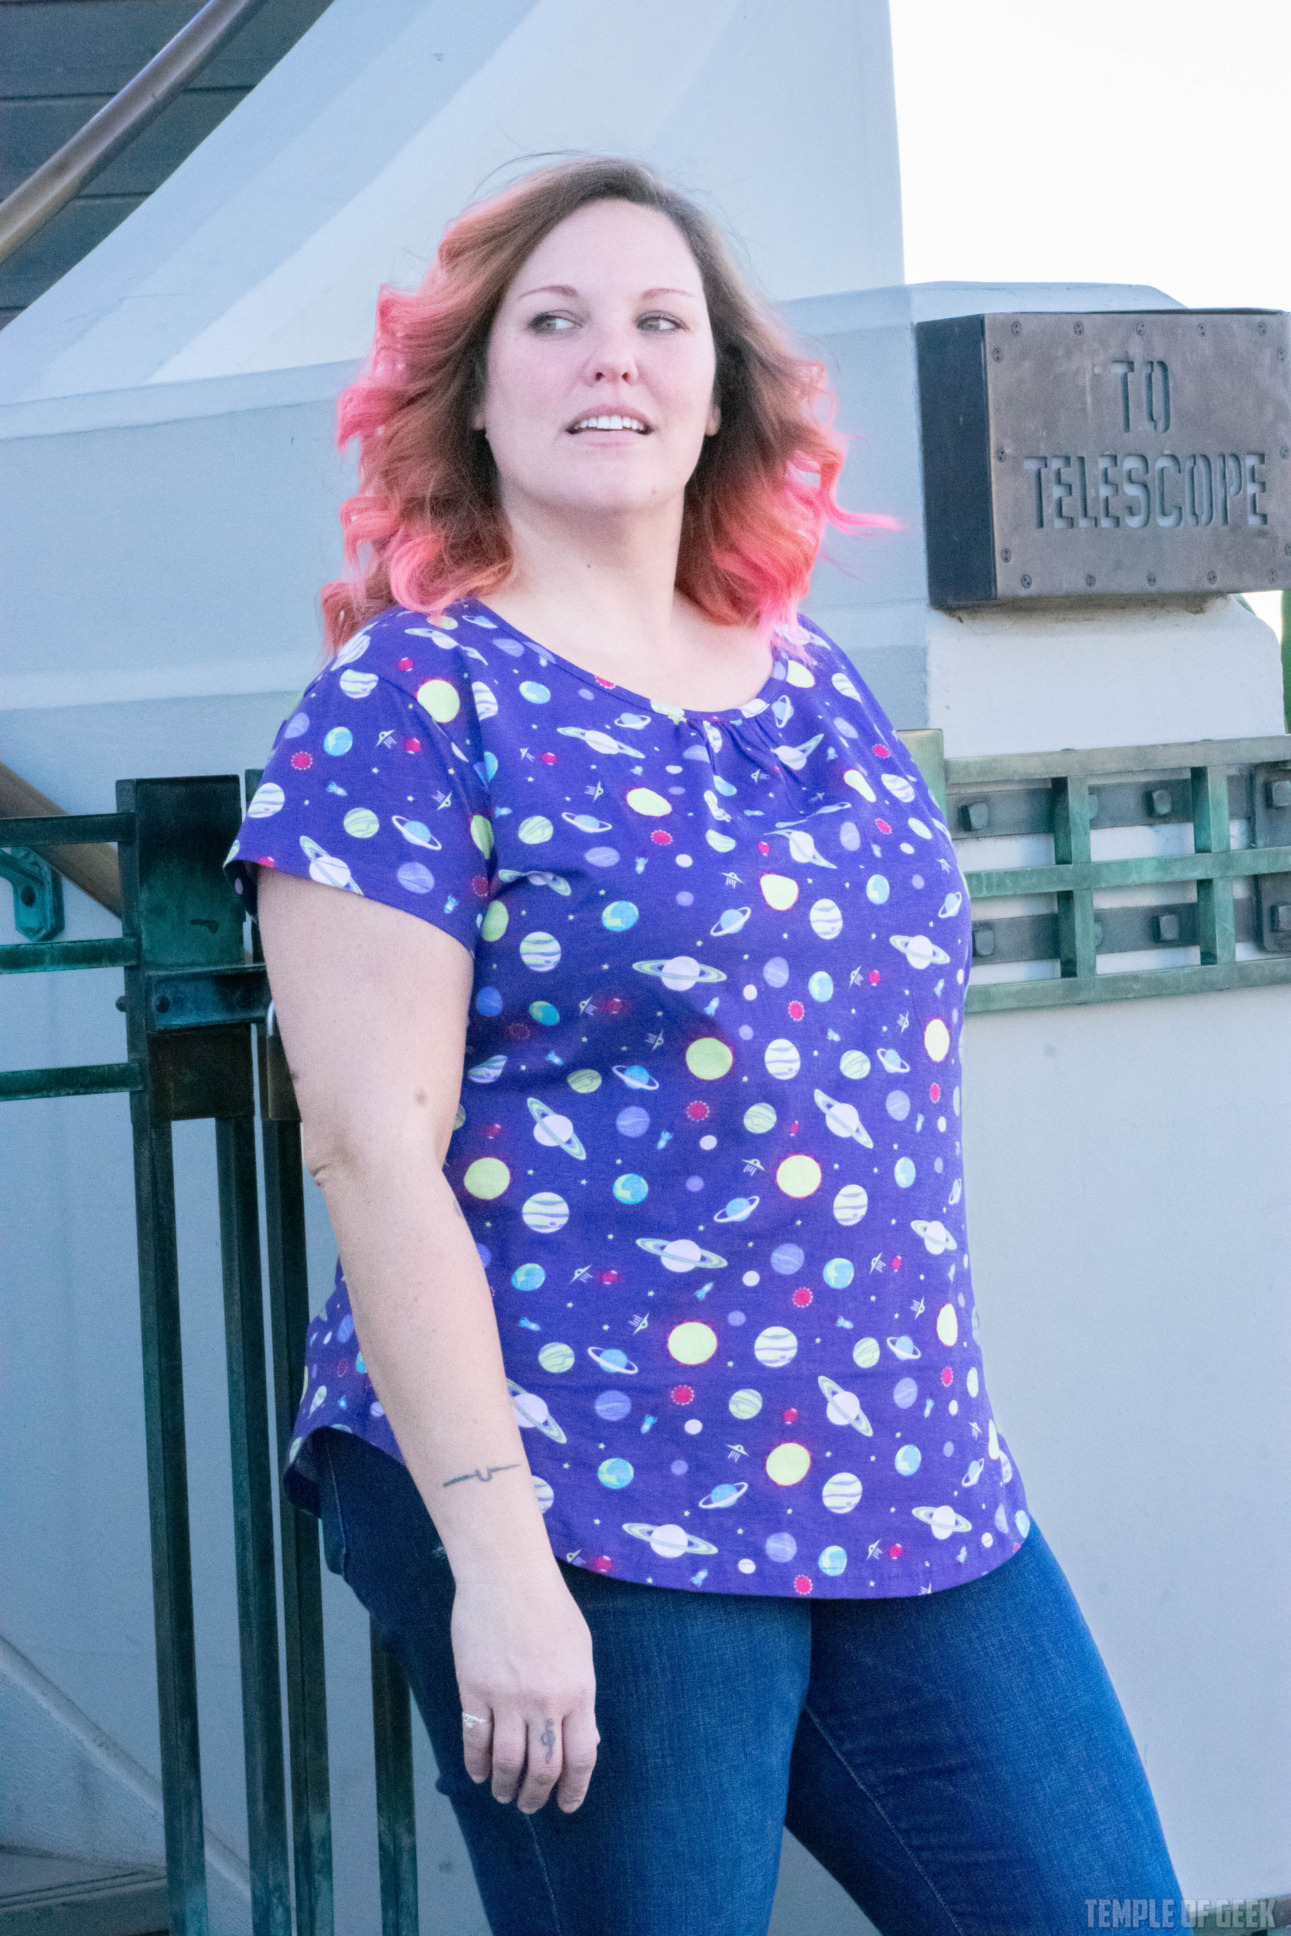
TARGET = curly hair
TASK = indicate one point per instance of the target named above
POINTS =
(426, 527)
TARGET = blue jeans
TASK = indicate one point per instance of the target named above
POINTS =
(957, 1761)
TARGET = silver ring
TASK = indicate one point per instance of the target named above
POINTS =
(475, 1720)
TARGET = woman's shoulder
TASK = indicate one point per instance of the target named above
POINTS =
(407, 648)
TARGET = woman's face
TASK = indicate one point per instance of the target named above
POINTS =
(599, 391)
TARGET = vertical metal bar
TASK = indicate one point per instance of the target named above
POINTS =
(302, 1590)
(1076, 951)
(1216, 926)
(172, 1577)
(396, 1820)
(253, 1521)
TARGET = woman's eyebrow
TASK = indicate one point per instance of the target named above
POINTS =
(567, 289)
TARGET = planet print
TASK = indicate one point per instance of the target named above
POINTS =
(936, 1237)
(838, 1273)
(918, 950)
(327, 868)
(486, 705)
(543, 1493)
(865, 1352)
(737, 1210)
(357, 685)
(645, 800)
(680, 1254)
(841, 1492)
(416, 877)
(692, 1343)
(908, 1460)
(726, 1494)
(709, 1058)
(486, 1178)
(540, 951)
(545, 1213)
(531, 1410)
(360, 823)
(781, 1547)
(631, 1188)
(904, 1393)
(859, 784)
(826, 919)
(633, 1076)
(730, 921)
(415, 832)
(833, 1561)
(842, 1119)
(781, 1059)
(496, 915)
(745, 1404)
(820, 987)
(602, 856)
(788, 1464)
(787, 1259)
(545, 1014)
(851, 1203)
(488, 1070)
(598, 741)
(632, 1121)
(904, 1172)
(947, 1326)
(843, 1407)
(877, 889)
(775, 1347)
(535, 830)
(680, 973)
(899, 787)
(584, 1082)
(615, 1473)
(619, 916)
(775, 972)
(555, 1132)
(778, 891)
(529, 1277)
(668, 1542)
(439, 697)
(904, 1347)
(536, 694)
(612, 1406)
(936, 1040)
(942, 1521)
(760, 1118)
(338, 741)
(798, 1176)
(854, 1064)
(892, 1062)
(586, 823)
(610, 1358)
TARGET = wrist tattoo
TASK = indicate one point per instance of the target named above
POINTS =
(548, 1739)
(485, 1476)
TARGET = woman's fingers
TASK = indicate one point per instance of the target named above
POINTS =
(508, 1754)
(477, 1742)
(542, 1769)
(579, 1757)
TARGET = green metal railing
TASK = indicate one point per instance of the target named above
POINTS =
(198, 1046)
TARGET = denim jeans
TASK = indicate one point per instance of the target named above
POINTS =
(958, 1761)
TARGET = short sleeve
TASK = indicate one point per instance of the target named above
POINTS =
(366, 791)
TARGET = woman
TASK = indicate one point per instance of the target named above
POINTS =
(647, 1417)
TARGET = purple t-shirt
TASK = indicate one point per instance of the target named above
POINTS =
(708, 1143)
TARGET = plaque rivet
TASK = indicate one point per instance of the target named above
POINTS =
(997, 356)
(1005, 555)
(1285, 451)
(1089, 577)
(1016, 329)
(1152, 578)
(1139, 328)
(1263, 328)
(1079, 328)
(1000, 455)
(1210, 577)
(1287, 549)
(1201, 329)
(1026, 581)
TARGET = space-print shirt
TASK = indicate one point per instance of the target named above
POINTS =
(708, 1143)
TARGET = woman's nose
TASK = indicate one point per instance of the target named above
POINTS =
(613, 358)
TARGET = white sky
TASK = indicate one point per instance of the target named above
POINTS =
(1099, 143)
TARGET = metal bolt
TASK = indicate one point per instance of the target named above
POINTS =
(1160, 801)
(161, 1003)
(984, 940)
(1026, 581)
(1152, 578)
(1278, 793)
(1000, 454)
(1079, 328)
(1089, 577)
(975, 816)
(1015, 329)
(1005, 555)
(1280, 918)
(1211, 577)
(121, 1003)
(1165, 927)
(1138, 329)
(997, 356)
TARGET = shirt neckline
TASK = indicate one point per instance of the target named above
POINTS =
(751, 708)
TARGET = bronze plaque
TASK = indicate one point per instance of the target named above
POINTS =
(1081, 455)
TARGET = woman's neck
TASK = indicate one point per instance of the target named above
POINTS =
(607, 601)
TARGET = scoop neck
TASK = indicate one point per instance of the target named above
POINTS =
(760, 702)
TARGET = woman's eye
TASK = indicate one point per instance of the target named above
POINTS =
(659, 322)
(547, 323)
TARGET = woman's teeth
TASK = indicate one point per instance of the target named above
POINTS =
(609, 423)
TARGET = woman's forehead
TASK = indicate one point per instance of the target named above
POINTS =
(610, 243)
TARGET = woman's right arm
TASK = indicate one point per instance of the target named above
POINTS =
(372, 1004)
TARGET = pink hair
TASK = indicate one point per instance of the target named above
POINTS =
(425, 527)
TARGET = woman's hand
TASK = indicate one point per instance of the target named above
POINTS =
(524, 1671)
